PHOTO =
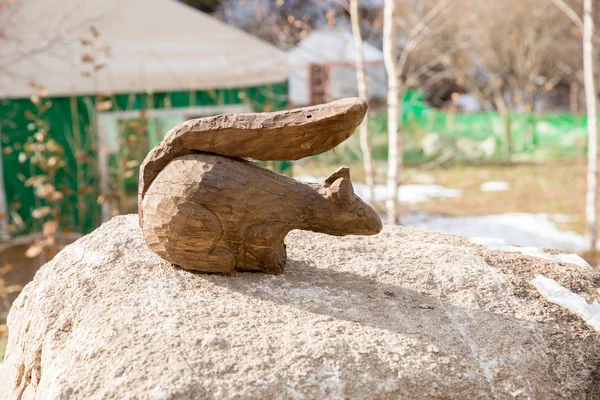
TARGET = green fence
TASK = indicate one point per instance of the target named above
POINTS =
(430, 133)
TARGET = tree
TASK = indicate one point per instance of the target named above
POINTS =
(283, 23)
(418, 62)
(362, 93)
(394, 147)
(591, 202)
(519, 52)
(586, 27)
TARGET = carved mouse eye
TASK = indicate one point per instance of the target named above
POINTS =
(360, 212)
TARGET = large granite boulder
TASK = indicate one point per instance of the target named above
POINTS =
(405, 314)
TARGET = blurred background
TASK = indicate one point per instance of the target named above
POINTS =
(482, 115)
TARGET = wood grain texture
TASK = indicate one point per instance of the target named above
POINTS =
(217, 213)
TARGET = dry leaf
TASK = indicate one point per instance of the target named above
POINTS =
(41, 212)
(57, 196)
(87, 58)
(49, 228)
(16, 218)
(44, 191)
(50, 241)
(6, 269)
(52, 161)
(131, 163)
(85, 158)
(36, 180)
(13, 289)
(104, 105)
(54, 147)
(34, 250)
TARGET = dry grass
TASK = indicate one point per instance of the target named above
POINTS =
(553, 188)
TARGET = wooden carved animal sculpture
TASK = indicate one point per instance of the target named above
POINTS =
(203, 207)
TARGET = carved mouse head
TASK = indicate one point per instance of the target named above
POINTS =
(353, 216)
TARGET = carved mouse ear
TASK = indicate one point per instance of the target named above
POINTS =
(341, 172)
(342, 192)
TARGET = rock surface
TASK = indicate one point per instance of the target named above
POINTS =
(406, 314)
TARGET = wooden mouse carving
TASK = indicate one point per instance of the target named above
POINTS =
(205, 208)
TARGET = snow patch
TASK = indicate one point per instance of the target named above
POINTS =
(408, 194)
(572, 259)
(522, 229)
(424, 179)
(499, 244)
(494, 186)
(562, 218)
(555, 293)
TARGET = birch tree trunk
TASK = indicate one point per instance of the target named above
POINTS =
(592, 124)
(586, 27)
(362, 93)
(390, 60)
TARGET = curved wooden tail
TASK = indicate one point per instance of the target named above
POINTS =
(283, 135)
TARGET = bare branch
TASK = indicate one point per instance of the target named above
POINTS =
(569, 12)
